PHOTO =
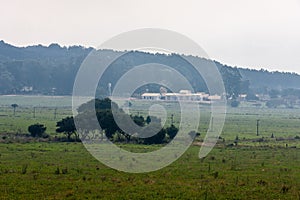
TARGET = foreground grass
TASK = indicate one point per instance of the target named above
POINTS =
(252, 170)
(68, 171)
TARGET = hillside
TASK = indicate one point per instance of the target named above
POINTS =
(51, 70)
(263, 79)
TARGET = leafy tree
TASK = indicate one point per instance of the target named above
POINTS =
(6, 80)
(98, 104)
(274, 103)
(119, 137)
(37, 130)
(67, 126)
(172, 131)
(244, 87)
(234, 103)
(232, 81)
(148, 119)
(157, 138)
(274, 93)
(107, 122)
(236, 140)
(193, 134)
(139, 120)
(14, 107)
(112, 131)
(251, 96)
(104, 116)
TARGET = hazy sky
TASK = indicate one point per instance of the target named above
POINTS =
(246, 33)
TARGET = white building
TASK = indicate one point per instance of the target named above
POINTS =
(151, 96)
(183, 95)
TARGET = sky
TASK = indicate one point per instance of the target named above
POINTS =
(244, 33)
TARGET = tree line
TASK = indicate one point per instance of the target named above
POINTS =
(51, 70)
(105, 118)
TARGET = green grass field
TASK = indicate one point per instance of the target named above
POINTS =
(68, 171)
(259, 167)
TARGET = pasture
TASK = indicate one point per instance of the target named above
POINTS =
(68, 171)
(258, 167)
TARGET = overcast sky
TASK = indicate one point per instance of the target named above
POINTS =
(250, 33)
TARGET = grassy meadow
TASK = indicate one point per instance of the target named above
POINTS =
(258, 167)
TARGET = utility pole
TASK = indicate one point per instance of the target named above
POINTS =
(55, 112)
(33, 112)
(212, 124)
(257, 127)
(172, 119)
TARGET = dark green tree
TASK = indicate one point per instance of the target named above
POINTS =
(234, 103)
(172, 131)
(232, 81)
(148, 119)
(98, 104)
(107, 122)
(67, 126)
(37, 130)
(14, 107)
(105, 119)
(251, 96)
(104, 115)
(157, 138)
(274, 93)
(236, 140)
(139, 120)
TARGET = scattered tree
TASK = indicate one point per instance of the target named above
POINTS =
(193, 134)
(236, 140)
(172, 131)
(251, 96)
(235, 103)
(157, 138)
(139, 120)
(67, 126)
(148, 119)
(14, 107)
(274, 93)
(232, 81)
(37, 130)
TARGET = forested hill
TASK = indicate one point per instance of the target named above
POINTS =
(48, 70)
(262, 80)
(51, 70)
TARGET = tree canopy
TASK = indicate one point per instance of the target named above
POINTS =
(108, 124)
(67, 126)
(37, 130)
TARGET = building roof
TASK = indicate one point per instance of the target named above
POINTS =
(151, 95)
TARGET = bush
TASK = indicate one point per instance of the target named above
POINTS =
(37, 130)
(251, 96)
(119, 137)
(158, 138)
(235, 103)
(194, 134)
(172, 131)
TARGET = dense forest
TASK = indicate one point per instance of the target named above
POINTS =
(51, 70)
